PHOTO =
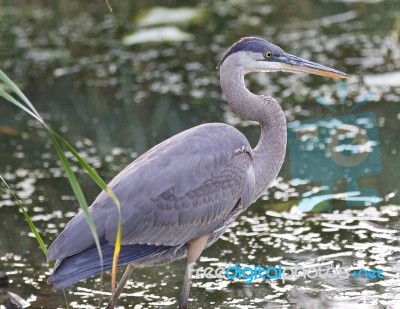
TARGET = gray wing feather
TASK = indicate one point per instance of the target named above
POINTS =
(180, 189)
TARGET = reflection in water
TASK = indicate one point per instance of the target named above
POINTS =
(115, 101)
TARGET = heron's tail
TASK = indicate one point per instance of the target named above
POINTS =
(87, 263)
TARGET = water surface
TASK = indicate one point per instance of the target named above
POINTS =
(114, 98)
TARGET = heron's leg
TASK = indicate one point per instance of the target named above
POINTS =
(120, 287)
(195, 247)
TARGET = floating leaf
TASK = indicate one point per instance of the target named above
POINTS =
(391, 79)
(159, 34)
(170, 16)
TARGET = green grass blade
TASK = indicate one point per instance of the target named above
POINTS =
(65, 163)
(77, 191)
(116, 254)
(28, 219)
(93, 174)
(58, 141)
(66, 300)
(19, 93)
(12, 100)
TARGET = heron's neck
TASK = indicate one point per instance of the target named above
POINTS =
(270, 150)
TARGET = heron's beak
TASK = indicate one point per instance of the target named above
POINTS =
(292, 63)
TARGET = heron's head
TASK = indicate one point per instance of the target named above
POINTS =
(257, 55)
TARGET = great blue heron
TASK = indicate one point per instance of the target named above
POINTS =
(180, 196)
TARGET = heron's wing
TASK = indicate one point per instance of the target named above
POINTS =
(173, 219)
(181, 189)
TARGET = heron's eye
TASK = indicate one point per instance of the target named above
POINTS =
(268, 54)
